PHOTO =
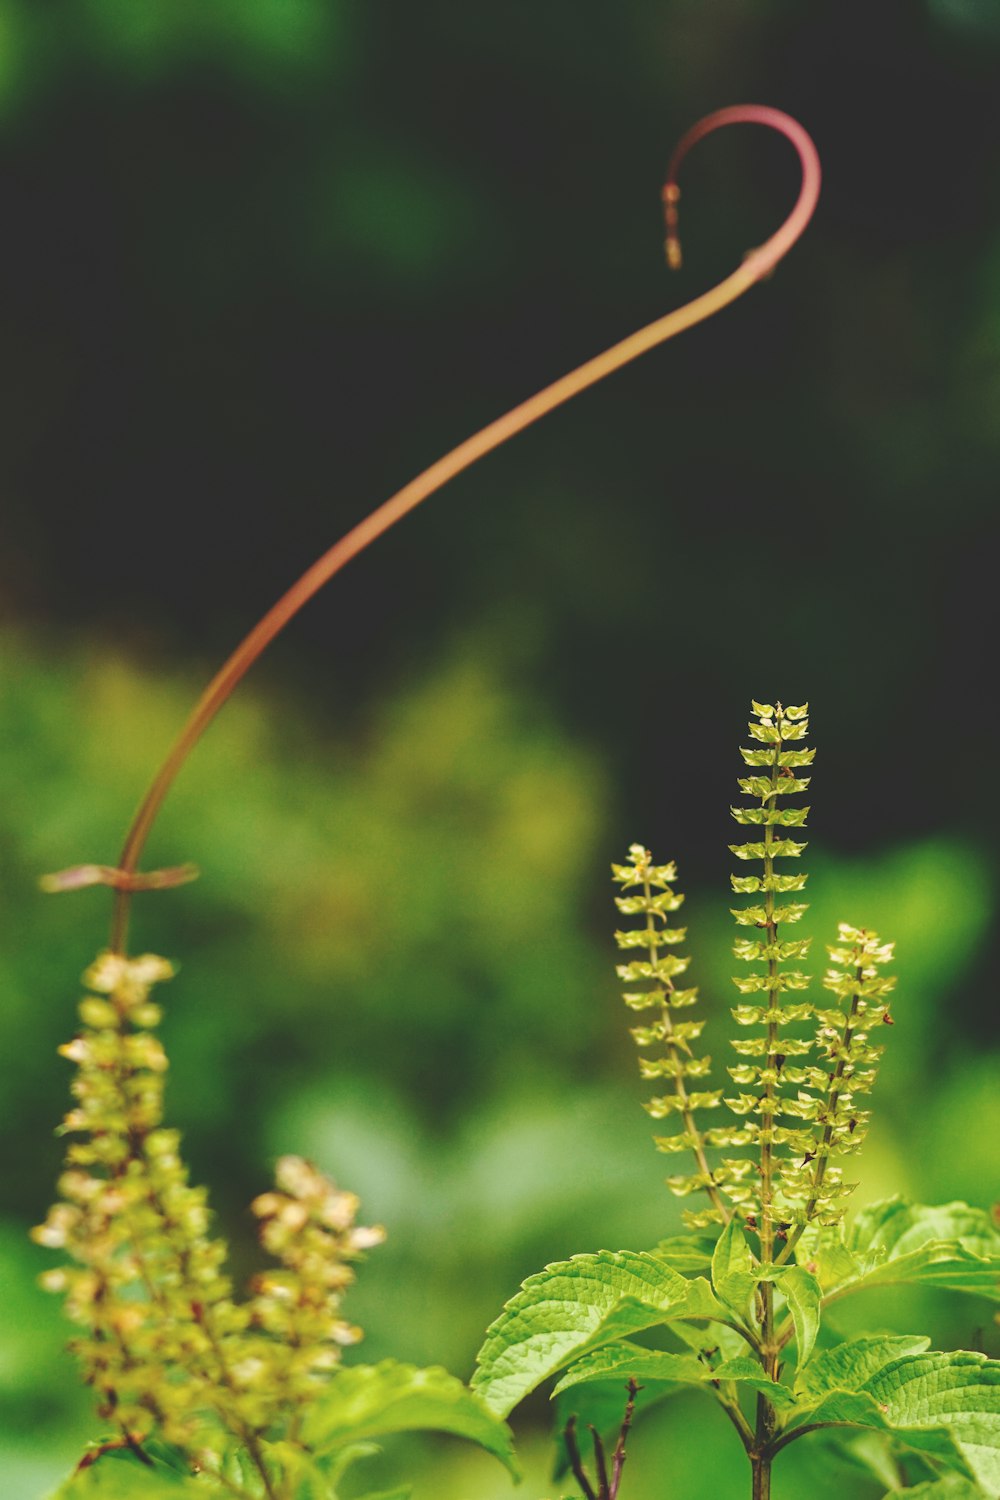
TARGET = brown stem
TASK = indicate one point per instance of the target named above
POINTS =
(618, 1457)
(575, 1461)
(761, 1471)
(755, 266)
(600, 1464)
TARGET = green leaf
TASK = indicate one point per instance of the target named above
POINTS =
(801, 1291)
(336, 1463)
(625, 1361)
(947, 1405)
(400, 1494)
(370, 1401)
(951, 1246)
(953, 1487)
(848, 1366)
(686, 1252)
(733, 1268)
(575, 1306)
(630, 1361)
(303, 1476)
(121, 1476)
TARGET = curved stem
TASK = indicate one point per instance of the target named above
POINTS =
(757, 265)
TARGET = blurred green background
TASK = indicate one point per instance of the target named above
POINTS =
(265, 259)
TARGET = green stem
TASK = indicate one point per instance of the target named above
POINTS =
(760, 1454)
(763, 1437)
(739, 1421)
(773, 1008)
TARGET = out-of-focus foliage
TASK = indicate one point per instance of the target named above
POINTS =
(391, 965)
(264, 259)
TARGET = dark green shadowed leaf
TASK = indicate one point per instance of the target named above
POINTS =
(601, 1404)
(370, 1401)
(575, 1306)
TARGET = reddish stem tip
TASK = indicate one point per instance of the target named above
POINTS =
(763, 260)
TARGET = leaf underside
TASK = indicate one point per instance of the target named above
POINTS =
(951, 1246)
(371, 1401)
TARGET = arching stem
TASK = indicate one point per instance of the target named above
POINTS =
(756, 265)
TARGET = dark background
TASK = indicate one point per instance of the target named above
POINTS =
(264, 260)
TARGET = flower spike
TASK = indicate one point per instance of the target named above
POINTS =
(656, 972)
(850, 1064)
(766, 1076)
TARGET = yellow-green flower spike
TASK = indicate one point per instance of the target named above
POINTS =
(652, 988)
(848, 1061)
(765, 1075)
(163, 1344)
(148, 1290)
(308, 1225)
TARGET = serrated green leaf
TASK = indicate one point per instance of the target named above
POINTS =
(630, 1361)
(849, 1366)
(951, 1245)
(947, 1405)
(575, 1306)
(370, 1401)
(733, 1268)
